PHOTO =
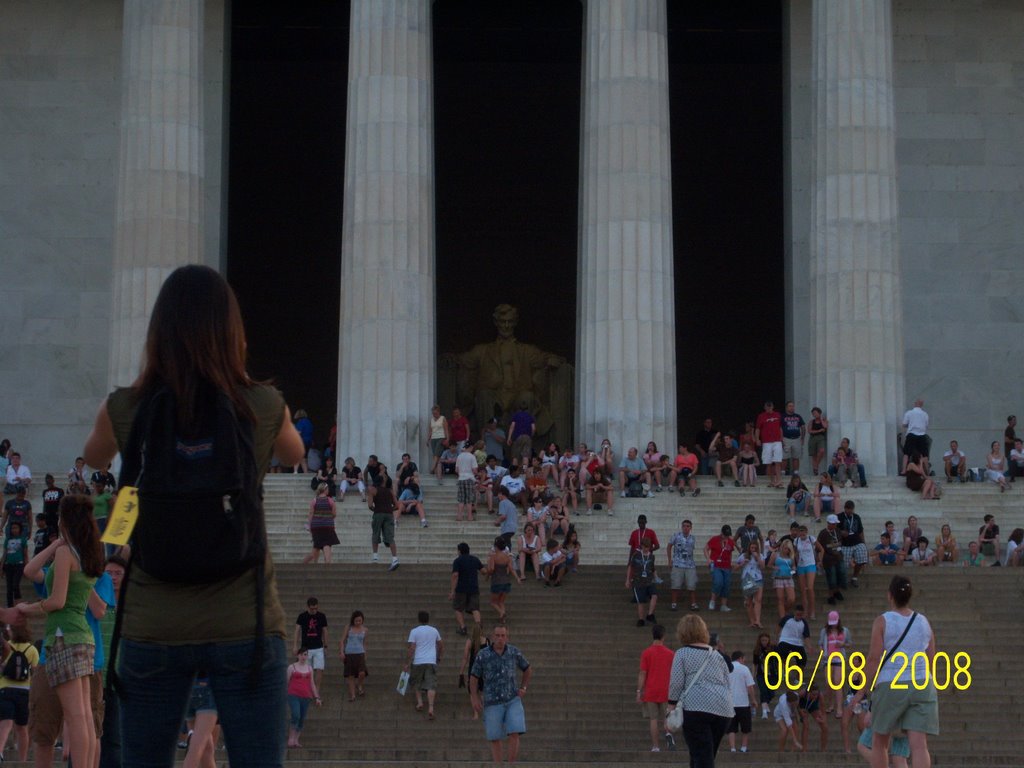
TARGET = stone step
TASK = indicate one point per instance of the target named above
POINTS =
(288, 498)
(576, 715)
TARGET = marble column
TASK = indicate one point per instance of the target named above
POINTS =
(856, 339)
(625, 329)
(387, 360)
(159, 220)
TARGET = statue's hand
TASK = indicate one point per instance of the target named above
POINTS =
(554, 361)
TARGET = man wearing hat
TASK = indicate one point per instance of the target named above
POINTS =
(832, 561)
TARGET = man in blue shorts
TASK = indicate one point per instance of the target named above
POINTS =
(502, 702)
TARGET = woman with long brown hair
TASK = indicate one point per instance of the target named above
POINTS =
(70, 648)
(172, 628)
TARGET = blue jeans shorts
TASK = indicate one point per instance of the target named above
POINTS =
(500, 720)
(721, 579)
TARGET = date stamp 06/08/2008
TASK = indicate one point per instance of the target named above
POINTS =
(919, 671)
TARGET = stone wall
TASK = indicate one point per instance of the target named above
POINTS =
(959, 68)
(960, 151)
(59, 112)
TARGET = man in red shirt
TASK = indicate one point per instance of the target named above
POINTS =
(652, 686)
(719, 555)
(638, 535)
(768, 434)
(458, 428)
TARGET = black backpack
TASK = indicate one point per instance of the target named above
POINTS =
(17, 667)
(200, 501)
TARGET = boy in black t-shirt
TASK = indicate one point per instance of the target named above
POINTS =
(311, 634)
(43, 535)
(51, 502)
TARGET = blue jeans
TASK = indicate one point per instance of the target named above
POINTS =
(156, 683)
(297, 706)
(721, 579)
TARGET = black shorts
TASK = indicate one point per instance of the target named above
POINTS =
(644, 594)
(466, 601)
(14, 705)
(740, 721)
(915, 444)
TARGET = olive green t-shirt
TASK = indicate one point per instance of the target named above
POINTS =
(183, 614)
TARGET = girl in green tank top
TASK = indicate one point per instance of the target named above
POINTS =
(77, 561)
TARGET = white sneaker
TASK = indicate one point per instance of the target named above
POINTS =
(655, 749)
(424, 524)
(611, 513)
(732, 749)
(394, 564)
(374, 558)
(726, 609)
(650, 495)
(622, 495)
(743, 749)
(711, 605)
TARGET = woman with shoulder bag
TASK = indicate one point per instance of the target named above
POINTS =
(700, 683)
(908, 703)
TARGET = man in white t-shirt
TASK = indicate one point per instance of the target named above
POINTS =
(514, 483)
(955, 462)
(1016, 460)
(425, 651)
(744, 701)
(793, 637)
(916, 439)
(465, 469)
(18, 475)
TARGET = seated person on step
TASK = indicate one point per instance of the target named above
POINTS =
(515, 484)
(552, 564)
(946, 550)
(922, 554)
(530, 546)
(558, 516)
(598, 483)
(351, 477)
(988, 537)
(845, 461)
(886, 553)
(1017, 460)
(633, 470)
(724, 449)
(485, 488)
(684, 472)
(955, 463)
(449, 456)
(657, 465)
(973, 558)
(538, 516)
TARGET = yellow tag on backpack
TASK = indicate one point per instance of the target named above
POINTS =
(122, 517)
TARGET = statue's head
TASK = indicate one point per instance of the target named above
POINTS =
(505, 318)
